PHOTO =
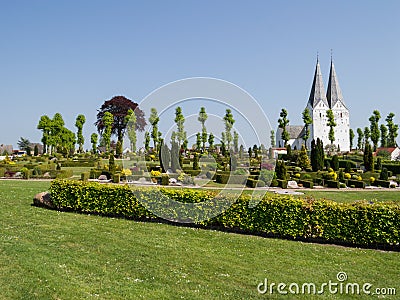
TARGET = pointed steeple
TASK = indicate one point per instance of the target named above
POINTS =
(334, 93)
(317, 90)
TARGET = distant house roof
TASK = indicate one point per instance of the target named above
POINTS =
(390, 150)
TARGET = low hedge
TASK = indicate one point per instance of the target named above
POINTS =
(78, 163)
(381, 183)
(234, 179)
(191, 172)
(360, 223)
(394, 168)
(282, 183)
(307, 184)
(356, 183)
(332, 184)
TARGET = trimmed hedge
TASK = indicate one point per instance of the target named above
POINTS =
(356, 183)
(307, 184)
(359, 223)
(235, 179)
(382, 183)
(282, 183)
(394, 168)
(333, 184)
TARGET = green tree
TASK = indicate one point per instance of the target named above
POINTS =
(154, 119)
(317, 155)
(108, 121)
(24, 144)
(36, 150)
(280, 170)
(360, 138)
(302, 160)
(384, 135)
(229, 121)
(368, 158)
(211, 141)
(283, 123)
(93, 139)
(57, 125)
(80, 120)
(202, 119)
(198, 140)
(196, 161)
(250, 151)
(379, 163)
(335, 163)
(307, 120)
(331, 124)
(241, 151)
(367, 135)
(45, 126)
(384, 174)
(235, 142)
(67, 142)
(374, 128)
(131, 129)
(351, 136)
(392, 128)
(272, 137)
(118, 107)
(147, 141)
(180, 120)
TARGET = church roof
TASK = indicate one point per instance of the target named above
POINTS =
(317, 90)
(295, 131)
(334, 93)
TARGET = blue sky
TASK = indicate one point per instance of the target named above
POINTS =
(71, 56)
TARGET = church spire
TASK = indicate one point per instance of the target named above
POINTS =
(333, 94)
(317, 90)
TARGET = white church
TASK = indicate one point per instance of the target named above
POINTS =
(318, 104)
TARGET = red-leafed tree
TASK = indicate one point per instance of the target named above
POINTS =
(119, 106)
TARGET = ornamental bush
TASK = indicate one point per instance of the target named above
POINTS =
(359, 223)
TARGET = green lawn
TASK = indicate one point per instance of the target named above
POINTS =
(351, 196)
(52, 255)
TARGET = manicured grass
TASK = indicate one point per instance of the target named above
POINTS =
(359, 195)
(53, 255)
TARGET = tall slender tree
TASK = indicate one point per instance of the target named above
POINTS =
(180, 120)
(107, 121)
(80, 120)
(211, 141)
(272, 137)
(93, 140)
(45, 126)
(131, 129)
(202, 119)
(198, 141)
(153, 120)
(147, 141)
(307, 120)
(384, 135)
(351, 136)
(235, 142)
(283, 122)
(374, 128)
(360, 139)
(331, 124)
(392, 128)
(229, 121)
(367, 135)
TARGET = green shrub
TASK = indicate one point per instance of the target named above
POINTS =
(307, 184)
(358, 223)
(85, 176)
(282, 183)
(116, 178)
(381, 183)
(225, 178)
(164, 179)
(393, 167)
(332, 184)
(2, 172)
(251, 183)
(356, 183)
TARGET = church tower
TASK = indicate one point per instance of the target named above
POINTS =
(318, 105)
(340, 111)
